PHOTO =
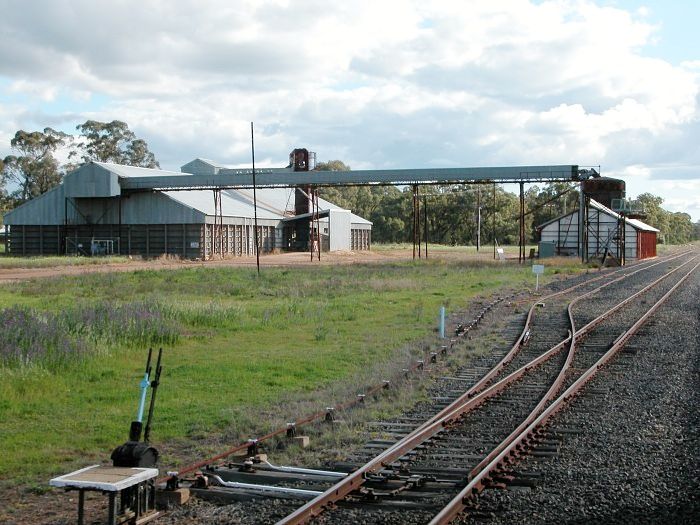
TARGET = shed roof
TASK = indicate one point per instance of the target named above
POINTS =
(134, 171)
(635, 223)
(272, 203)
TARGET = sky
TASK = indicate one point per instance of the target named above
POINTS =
(376, 84)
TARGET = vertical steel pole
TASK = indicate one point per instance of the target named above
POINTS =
(581, 220)
(478, 218)
(493, 221)
(521, 242)
(255, 199)
(418, 240)
(414, 220)
(425, 224)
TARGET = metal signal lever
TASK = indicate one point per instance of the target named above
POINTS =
(154, 389)
(137, 425)
(137, 453)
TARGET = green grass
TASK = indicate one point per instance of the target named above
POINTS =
(57, 260)
(486, 249)
(247, 345)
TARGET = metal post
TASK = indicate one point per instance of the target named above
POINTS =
(425, 224)
(493, 220)
(112, 519)
(442, 322)
(478, 218)
(521, 242)
(581, 219)
(81, 507)
(418, 241)
(255, 199)
(415, 221)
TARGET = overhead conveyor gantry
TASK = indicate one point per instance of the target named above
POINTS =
(286, 177)
(298, 175)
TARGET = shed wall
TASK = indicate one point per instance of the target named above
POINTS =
(339, 230)
(602, 232)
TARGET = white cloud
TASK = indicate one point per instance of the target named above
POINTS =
(378, 84)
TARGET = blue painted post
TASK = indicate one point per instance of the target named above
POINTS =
(145, 383)
(442, 322)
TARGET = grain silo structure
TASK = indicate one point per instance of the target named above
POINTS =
(92, 212)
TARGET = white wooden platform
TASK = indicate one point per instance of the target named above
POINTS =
(105, 478)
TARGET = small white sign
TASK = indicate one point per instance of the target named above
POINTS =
(501, 254)
(194, 244)
(537, 269)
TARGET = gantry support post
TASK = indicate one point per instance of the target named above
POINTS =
(416, 222)
(521, 254)
(493, 221)
(425, 224)
(478, 218)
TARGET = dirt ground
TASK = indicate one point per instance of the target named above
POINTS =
(272, 260)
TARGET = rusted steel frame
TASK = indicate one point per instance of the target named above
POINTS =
(466, 402)
(478, 483)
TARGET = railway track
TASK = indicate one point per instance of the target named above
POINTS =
(427, 467)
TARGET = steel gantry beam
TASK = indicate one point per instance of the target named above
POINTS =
(286, 177)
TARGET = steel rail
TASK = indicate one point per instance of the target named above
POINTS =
(264, 489)
(524, 439)
(484, 381)
(561, 376)
(468, 401)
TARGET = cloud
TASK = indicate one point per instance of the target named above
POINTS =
(377, 84)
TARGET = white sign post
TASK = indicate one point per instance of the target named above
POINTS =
(537, 269)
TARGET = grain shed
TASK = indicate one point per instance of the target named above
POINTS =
(605, 233)
(90, 213)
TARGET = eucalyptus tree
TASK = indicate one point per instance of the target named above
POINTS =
(33, 169)
(112, 142)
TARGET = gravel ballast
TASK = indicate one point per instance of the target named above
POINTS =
(630, 444)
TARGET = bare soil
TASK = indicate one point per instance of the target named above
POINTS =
(295, 259)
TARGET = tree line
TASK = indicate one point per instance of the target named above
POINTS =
(453, 211)
(34, 168)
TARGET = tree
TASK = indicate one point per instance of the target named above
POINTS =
(365, 201)
(554, 200)
(34, 169)
(680, 228)
(676, 228)
(113, 142)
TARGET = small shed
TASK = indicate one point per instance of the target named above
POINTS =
(603, 234)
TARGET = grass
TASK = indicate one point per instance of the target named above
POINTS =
(244, 345)
(486, 249)
(7, 262)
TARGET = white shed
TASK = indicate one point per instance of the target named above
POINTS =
(601, 234)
